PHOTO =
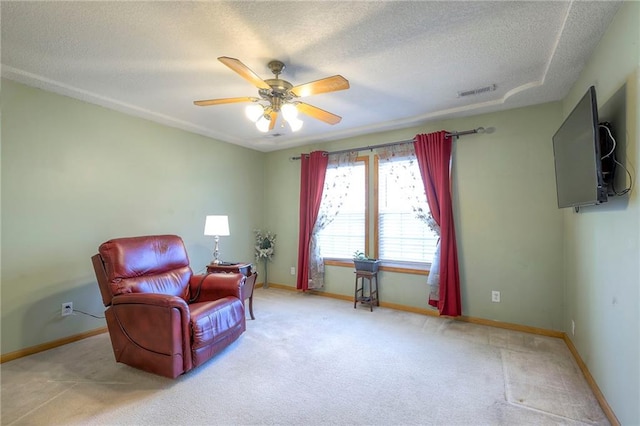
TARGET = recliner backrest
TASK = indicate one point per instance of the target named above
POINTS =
(149, 264)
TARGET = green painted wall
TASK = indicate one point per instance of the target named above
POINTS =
(76, 174)
(603, 242)
(508, 226)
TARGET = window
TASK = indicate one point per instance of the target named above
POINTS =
(402, 236)
(346, 233)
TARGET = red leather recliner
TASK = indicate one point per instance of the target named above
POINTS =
(161, 317)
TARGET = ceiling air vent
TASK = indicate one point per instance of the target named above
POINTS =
(477, 91)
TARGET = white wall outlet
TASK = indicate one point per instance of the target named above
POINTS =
(495, 296)
(293, 270)
(573, 328)
(67, 309)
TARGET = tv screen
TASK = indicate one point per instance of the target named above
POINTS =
(576, 151)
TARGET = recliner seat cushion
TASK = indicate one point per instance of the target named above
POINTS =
(212, 321)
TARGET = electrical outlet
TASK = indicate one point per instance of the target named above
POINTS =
(293, 270)
(573, 328)
(67, 309)
(495, 296)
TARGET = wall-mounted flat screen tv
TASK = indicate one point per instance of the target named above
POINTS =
(576, 151)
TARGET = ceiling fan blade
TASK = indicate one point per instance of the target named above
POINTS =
(274, 117)
(318, 113)
(244, 72)
(329, 84)
(208, 102)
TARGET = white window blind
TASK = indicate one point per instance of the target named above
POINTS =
(402, 237)
(346, 233)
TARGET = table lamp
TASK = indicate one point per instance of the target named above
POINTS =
(216, 225)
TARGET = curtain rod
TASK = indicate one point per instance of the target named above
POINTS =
(372, 147)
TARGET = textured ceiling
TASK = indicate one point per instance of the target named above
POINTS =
(405, 61)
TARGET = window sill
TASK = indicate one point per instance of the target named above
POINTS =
(403, 268)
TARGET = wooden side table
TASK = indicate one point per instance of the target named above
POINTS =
(242, 268)
(360, 295)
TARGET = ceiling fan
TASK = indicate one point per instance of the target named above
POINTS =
(277, 95)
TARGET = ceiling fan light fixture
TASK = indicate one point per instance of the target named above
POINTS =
(289, 112)
(279, 96)
(263, 123)
(295, 124)
(254, 111)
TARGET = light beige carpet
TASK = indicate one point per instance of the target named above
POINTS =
(310, 360)
(549, 382)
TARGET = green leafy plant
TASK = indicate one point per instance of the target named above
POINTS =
(359, 255)
(265, 244)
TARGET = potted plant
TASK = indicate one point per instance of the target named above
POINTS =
(265, 245)
(364, 263)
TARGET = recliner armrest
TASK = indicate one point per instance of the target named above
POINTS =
(216, 286)
(154, 300)
(155, 322)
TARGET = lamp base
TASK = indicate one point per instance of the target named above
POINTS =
(216, 252)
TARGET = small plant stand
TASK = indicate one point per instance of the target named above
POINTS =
(361, 294)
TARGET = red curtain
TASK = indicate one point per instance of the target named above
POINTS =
(313, 170)
(433, 152)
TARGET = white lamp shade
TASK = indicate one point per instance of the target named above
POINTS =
(289, 112)
(295, 124)
(254, 111)
(216, 225)
(263, 124)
